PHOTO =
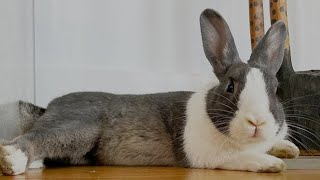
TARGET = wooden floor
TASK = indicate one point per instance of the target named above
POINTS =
(161, 173)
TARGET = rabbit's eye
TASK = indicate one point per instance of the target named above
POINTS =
(230, 87)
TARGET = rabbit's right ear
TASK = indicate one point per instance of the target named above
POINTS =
(218, 42)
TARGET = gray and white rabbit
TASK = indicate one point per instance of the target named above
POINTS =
(231, 125)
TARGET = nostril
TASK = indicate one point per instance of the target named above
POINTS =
(251, 122)
(259, 123)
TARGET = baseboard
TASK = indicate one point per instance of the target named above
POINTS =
(303, 162)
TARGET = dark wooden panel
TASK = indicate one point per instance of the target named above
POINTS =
(300, 94)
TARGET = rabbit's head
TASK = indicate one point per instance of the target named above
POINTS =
(244, 106)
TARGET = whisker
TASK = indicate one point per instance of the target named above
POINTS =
(303, 145)
(300, 97)
(304, 129)
(219, 124)
(222, 110)
(224, 105)
(306, 137)
(179, 117)
(301, 117)
(301, 105)
(219, 115)
(218, 150)
(226, 99)
(235, 97)
(228, 139)
(299, 113)
(221, 120)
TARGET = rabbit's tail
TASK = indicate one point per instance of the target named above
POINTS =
(28, 114)
(17, 118)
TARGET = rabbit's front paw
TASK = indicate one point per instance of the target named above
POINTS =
(284, 149)
(249, 161)
(270, 164)
(12, 160)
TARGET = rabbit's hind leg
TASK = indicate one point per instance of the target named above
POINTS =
(13, 161)
(72, 144)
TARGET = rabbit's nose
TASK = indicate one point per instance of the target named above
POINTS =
(255, 125)
(255, 122)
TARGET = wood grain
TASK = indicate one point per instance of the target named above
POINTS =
(160, 173)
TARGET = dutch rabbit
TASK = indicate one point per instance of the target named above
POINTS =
(229, 125)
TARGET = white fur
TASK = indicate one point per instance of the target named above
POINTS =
(285, 149)
(16, 158)
(253, 106)
(36, 164)
(285, 144)
(206, 147)
(255, 162)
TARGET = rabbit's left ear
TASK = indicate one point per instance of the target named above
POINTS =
(269, 52)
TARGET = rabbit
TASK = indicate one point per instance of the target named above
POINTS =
(228, 125)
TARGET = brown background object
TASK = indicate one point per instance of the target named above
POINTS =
(256, 21)
(278, 11)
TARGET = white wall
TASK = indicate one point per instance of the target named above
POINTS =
(304, 29)
(125, 46)
(141, 46)
(16, 61)
(16, 50)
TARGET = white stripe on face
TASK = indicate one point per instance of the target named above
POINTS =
(254, 108)
(254, 97)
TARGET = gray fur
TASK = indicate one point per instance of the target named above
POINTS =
(218, 43)
(221, 105)
(106, 129)
(28, 113)
(276, 107)
(268, 55)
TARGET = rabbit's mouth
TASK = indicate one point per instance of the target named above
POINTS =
(247, 128)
